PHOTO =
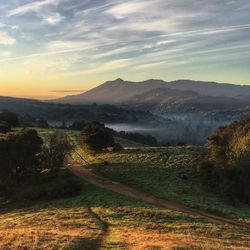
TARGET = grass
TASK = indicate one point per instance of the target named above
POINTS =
(68, 224)
(169, 173)
(71, 223)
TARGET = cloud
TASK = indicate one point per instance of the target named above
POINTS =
(67, 45)
(5, 54)
(124, 9)
(107, 36)
(53, 19)
(105, 67)
(30, 7)
(6, 39)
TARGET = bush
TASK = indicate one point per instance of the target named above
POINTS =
(96, 137)
(53, 188)
(117, 147)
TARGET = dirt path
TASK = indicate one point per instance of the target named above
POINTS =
(105, 183)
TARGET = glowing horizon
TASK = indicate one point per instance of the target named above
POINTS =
(53, 48)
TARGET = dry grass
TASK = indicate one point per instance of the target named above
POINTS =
(50, 228)
(151, 228)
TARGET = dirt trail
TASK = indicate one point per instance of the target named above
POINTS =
(105, 183)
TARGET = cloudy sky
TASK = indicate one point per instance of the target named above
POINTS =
(52, 48)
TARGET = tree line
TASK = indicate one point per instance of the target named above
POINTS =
(24, 156)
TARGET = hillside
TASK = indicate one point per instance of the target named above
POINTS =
(68, 113)
(97, 218)
(113, 92)
(167, 97)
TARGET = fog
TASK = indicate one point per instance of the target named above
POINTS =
(177, 129)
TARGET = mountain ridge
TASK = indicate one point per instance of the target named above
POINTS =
(160, 97)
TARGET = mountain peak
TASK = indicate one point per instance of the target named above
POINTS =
(119, 80)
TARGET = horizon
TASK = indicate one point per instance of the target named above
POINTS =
(76, 92)
(51, 48)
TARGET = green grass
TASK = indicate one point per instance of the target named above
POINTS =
(169, 173)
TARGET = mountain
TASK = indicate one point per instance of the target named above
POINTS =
(166, 97)
(68, 113)
(113, 92)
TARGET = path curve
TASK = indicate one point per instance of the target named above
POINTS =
(116, 187)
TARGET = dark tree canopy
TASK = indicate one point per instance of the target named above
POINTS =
(96, 137)
(229, 168)
(53, 154)
(11, 118)
(19, 154)
(4, 127)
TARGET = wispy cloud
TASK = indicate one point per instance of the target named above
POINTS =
(6, 39)
(114, 36)
(33, 6)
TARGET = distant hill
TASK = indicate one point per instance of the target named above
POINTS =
(213, 88)
(68, 113)
(113, 92)
(164, 97)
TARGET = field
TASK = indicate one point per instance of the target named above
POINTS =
(100, 219)
(169, 173)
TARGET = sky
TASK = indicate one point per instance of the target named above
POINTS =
(52, 48)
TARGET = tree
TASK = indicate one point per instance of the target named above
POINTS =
(227, 144)
(41, 123)
(229, 169)
(96, 137)
(54, 154)
(4, 127)
(77, 126)
(11, 118)
(19, 154)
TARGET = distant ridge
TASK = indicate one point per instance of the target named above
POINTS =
(159, 96)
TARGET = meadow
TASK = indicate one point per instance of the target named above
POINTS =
(100, 219)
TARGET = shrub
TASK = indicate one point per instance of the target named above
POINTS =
(53, 188)
(117, 147)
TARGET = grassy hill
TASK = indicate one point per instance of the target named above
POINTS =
(100, 219)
